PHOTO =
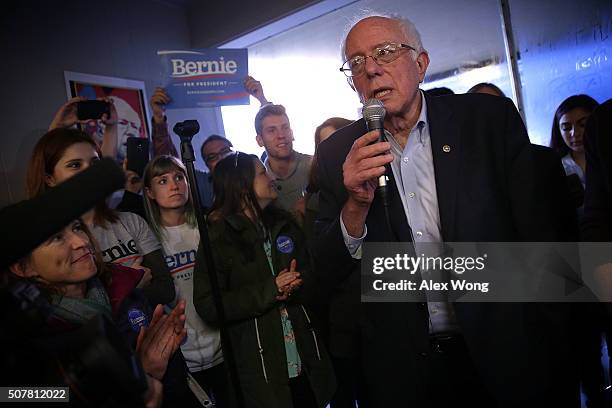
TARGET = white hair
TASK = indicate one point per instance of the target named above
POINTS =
(408, 28)
(125, 111)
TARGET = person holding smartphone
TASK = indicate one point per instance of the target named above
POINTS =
(68, 116)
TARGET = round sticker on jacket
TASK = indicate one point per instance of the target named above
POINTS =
(137, 319)
(284, 244)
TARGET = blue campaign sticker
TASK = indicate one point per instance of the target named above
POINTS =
(137, 319)
(284, 244)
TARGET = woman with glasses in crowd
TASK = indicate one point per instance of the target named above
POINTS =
(123, 238)
(169, 208)
(261, 262)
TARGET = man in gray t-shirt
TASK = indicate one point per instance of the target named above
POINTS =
(290, 168)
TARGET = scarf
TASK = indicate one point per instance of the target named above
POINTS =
(79, 311)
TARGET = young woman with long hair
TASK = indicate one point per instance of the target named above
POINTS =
(567, 131)
(263, 270)
(169, 209)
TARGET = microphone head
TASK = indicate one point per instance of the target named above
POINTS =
(374, 113)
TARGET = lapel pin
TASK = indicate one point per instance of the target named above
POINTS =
(446, 149)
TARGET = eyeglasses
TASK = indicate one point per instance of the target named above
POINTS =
(219, 155)
(381, 55)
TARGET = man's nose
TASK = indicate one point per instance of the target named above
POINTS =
(371, 66)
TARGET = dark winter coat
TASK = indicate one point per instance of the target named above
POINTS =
(252, 312)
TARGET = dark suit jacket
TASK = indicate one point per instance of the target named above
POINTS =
(486, 192)
(553, 186)
(597, 220)
(596, 225)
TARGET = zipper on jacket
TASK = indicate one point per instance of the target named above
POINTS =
(263, 364)
(312, 331)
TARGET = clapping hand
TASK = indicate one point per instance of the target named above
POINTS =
(158, 342)
(287, 281)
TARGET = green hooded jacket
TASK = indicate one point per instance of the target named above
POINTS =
(252, 312)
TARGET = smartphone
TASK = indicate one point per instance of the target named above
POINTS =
(137, 154)
(92, 109)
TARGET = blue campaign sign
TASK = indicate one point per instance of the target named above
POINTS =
(206, 77)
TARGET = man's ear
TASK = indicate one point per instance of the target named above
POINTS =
(259, 141)
(23, 269)
(422, 64)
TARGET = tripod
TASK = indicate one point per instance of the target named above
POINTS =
(186, 130)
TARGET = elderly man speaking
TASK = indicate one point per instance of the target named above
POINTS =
(459, 170)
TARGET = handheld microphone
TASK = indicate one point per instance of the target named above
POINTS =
(29, 223)
(374, 114)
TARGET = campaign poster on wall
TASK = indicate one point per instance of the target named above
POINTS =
(205, 77)
(129, 98)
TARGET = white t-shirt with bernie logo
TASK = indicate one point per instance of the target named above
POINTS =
(125, 240)
(202, 349)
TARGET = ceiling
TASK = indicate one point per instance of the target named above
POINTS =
(214, 23)
(457, 35)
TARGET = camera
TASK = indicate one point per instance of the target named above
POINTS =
(187, 128)
(93, 109)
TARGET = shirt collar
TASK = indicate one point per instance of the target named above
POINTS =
(423, 115)
(292, 167)
(421, 135)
